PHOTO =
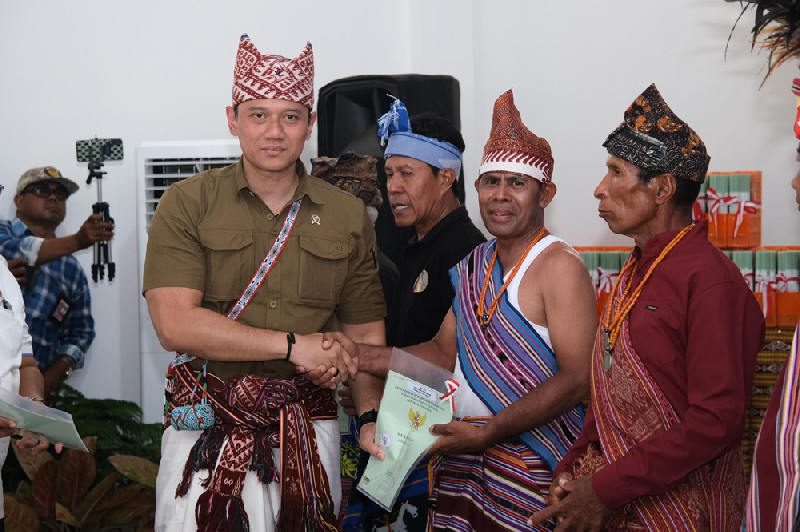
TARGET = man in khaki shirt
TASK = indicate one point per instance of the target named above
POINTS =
(209, 235)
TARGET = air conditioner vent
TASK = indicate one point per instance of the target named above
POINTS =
(160, 173)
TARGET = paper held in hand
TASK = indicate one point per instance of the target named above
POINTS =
(417, 395)
(56, 425)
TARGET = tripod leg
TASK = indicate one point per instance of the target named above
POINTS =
(95, 261)
(102, 250)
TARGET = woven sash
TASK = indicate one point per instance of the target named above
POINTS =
(256, 414)
(506, 359)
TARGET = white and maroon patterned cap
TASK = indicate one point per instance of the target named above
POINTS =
(512, 147)
(273, 77)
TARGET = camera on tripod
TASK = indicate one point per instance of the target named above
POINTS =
(95, 152)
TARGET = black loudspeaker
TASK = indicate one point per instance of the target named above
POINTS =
(347, 120)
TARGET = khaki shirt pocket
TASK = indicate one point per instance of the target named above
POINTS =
(323, 270)
(229, 253)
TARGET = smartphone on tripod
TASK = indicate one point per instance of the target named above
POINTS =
(95, 152)
(95, 149)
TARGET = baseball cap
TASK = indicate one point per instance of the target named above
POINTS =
(45, 173)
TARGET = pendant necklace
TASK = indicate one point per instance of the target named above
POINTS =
(485, 317)
(618, 308)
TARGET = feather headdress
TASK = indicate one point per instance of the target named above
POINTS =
(776, 28)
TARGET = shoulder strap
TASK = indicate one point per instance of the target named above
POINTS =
(267, 263)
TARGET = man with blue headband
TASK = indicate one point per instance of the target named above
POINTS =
(423, 164)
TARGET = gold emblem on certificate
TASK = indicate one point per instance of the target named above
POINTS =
(417, 418)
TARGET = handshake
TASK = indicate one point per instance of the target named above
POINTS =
(326, 358)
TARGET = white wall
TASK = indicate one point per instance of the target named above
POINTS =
(160, 71)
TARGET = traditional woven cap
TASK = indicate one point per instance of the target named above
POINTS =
(274, 77)
(356, 174)
(512, 147)
(45, 173)
(654, 138)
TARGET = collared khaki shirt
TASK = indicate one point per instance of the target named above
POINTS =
(210, 232)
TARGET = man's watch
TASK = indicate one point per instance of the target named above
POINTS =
(370, 416)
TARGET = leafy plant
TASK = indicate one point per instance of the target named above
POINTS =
(62, 494)
(110, 488)
(117, 425)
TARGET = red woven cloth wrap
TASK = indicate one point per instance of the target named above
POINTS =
(629, 407)
(274, 77)
(256, 414)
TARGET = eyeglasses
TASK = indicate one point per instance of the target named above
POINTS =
(43, 190)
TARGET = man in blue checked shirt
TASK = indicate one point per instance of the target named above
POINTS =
(54, 286)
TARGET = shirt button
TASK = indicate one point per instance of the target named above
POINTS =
(273, 304)
(270, 216)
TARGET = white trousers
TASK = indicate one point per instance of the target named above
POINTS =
(261, 502)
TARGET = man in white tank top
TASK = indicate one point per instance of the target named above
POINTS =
(523, 357)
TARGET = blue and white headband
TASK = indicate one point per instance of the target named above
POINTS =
(396, 127)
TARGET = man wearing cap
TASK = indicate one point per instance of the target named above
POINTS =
(245, 266)
(518, 337)
(674, 354)
(56, 292)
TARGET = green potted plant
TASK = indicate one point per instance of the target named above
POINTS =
(112, 487)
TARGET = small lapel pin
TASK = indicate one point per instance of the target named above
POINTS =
(314, 219)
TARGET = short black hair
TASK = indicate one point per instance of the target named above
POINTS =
(686, 190)
(437, 127)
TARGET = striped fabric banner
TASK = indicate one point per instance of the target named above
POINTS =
(786, 454)
(789, 440)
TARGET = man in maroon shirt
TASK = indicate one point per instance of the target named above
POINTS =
(674, 354)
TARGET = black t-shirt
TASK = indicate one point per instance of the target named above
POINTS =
(424, 293)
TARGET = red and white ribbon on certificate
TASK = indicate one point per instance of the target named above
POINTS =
(452, 386)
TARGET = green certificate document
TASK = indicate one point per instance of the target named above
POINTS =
(417, 395)
(55, 424)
